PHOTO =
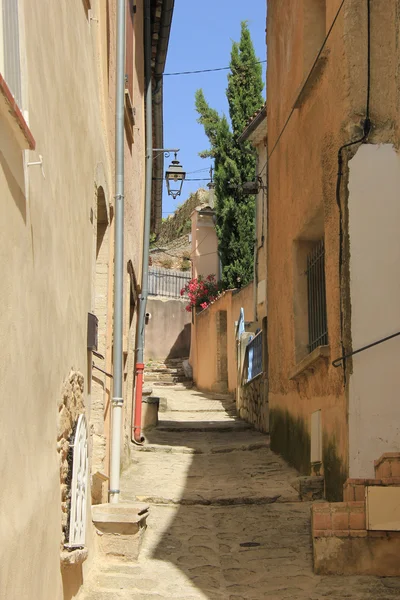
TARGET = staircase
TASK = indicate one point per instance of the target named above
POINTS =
(168, 372)
(362, 534)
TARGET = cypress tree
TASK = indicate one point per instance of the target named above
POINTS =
(234, 163)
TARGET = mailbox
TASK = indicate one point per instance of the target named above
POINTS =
(92, 332)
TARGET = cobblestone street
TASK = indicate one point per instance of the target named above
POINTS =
(225, 522)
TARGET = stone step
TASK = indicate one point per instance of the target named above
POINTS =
(179, 385)
(173, 370)
(210, 426)
(157, 377)
(173, 362)
(223, 501)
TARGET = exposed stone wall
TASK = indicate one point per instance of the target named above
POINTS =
(253, 403)
(179, 223)
(70, 406)
(175, 254)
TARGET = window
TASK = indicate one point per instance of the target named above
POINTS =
(10, 62)
(317, 320)
(309, 295)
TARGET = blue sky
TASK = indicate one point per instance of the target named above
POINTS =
(201, 38)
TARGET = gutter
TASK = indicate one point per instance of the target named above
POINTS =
(158, 127)
(117, 400)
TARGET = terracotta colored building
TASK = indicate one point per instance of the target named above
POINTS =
(333, 243)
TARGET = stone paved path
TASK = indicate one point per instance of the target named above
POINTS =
(225, 522)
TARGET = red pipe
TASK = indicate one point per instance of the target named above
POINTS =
(137, 423)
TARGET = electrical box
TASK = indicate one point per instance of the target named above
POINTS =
(92, 332)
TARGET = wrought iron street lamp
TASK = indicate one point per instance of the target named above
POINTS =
(175, 176)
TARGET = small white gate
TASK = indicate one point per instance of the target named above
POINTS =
(79, 484)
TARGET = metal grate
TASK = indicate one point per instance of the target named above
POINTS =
(166, 282)
(253, 358)
(317, 319)
(12, 63)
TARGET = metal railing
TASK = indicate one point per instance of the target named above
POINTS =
(253, 362)
(317, 319)
(166, 282)
(338, 361)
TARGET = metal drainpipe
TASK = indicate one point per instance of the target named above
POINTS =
(255, 272)
(117, 400)
(137, 425)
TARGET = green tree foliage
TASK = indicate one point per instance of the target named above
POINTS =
(234, 163)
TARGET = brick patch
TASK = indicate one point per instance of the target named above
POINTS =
(338, 518)
(354, 489)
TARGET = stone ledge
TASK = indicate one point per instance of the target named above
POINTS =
(119, 513)
(73, 557)
(256, 378)
(354, 489)
(11, 111)
(388, 465)
(310, 361)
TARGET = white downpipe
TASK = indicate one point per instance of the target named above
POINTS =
(117, 400)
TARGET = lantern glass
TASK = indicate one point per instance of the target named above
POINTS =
(175, 176)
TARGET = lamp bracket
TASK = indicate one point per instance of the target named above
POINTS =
(165, 151)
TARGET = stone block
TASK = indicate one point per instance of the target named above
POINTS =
(120, 529)
(99, 488)
(309, 487)
(357, 554)
(150, 406)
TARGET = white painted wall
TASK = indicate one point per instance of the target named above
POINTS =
(374, 226)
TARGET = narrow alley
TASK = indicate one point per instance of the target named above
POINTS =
(225, 521)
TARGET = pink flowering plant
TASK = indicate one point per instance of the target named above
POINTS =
(201, 291)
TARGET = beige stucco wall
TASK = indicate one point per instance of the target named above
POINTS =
(205, 334)
(134, 153)
(374, 217)
(168, 330)
(48, 272)
(204, 253)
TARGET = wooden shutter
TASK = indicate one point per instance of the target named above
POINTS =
(12, 67)
(129, 48)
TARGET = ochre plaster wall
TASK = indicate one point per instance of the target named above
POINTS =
(302, 177)
(204, 344)
(261, 234)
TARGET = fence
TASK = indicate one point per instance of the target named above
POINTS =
(165, 282)
(253, 360)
